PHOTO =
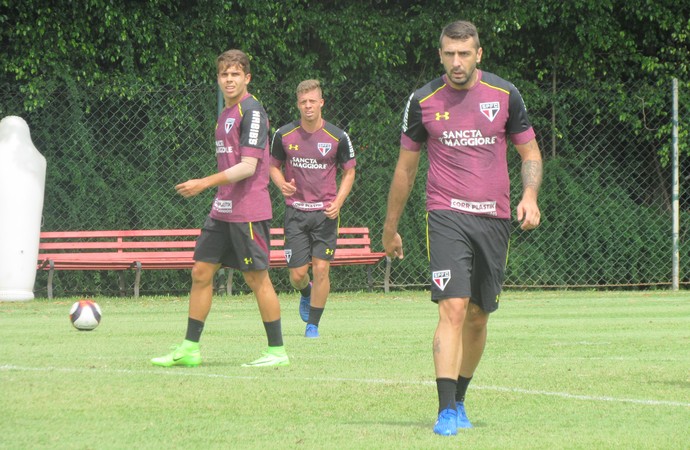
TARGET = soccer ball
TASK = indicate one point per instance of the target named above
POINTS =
(85, 315)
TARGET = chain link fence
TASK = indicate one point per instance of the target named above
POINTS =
(115, 157)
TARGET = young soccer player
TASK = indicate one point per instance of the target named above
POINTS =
(236, 232)
(309, 151)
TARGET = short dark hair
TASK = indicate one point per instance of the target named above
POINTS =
(233, 58)
(462, 30)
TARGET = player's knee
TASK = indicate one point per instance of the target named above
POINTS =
(257, 280)
(321, 269)
(202, 274)
(320, 274)
(299, 277)
(452, 311)
(476, 318)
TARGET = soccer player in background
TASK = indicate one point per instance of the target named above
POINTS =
(465, 118)
(236, 232)
(305, 156)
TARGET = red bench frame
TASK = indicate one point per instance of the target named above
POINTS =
(140, 250)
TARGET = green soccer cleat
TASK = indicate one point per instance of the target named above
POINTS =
(185, 354)
(274, 356)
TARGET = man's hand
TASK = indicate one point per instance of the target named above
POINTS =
(190, 188)
(289, 188)
(528, 214)
(392, 244)
(333, 210)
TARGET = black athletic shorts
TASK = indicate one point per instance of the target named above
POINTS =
(467, 256)
(238, 245)
(308, 234)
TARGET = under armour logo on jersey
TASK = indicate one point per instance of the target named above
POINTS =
(441, 278)
(229, 122)
(490, 109)
(293, 147)
(329, 251)
(324, 148)
(248, 261)
(444, 116)
(288, 255)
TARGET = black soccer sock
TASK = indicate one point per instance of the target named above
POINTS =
(446, 393)
(306, 292)
(194, 329)
(462, 388)
(274, 333)
(315, 315)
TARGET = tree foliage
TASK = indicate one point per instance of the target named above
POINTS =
(121, 44)
(118, 42)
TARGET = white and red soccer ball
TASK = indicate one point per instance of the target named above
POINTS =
(85, 315)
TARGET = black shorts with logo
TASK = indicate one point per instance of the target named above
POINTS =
(238, 245)
(308, 234)
(467, 255)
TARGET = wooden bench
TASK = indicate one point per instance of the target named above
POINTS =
(139, 250)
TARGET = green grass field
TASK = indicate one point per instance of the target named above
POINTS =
(561, 370)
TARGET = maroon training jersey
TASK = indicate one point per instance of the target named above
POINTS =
(312, 160)
(242, 130)
(465, 132)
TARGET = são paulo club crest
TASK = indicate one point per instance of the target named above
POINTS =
(490, 109)
(229, 122)
(324, 148)
(441, 278)
(288, 254)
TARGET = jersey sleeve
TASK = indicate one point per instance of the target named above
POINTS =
(346, 152)
(413, 130)
(277, 149)
(253, 132)
(518, 121)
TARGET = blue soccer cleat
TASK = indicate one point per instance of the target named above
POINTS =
(463, 421)
(312, 331)
(447, 423)
(304, 303)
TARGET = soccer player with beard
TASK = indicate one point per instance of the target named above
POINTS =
(465, 118)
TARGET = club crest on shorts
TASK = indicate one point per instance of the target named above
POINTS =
(229, 122)
(324, 148)
(490, 109)
(288, 254)
(441, 278)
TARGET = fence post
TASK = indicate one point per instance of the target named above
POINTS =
(221, 101)
(675, 194)
(553, 115)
